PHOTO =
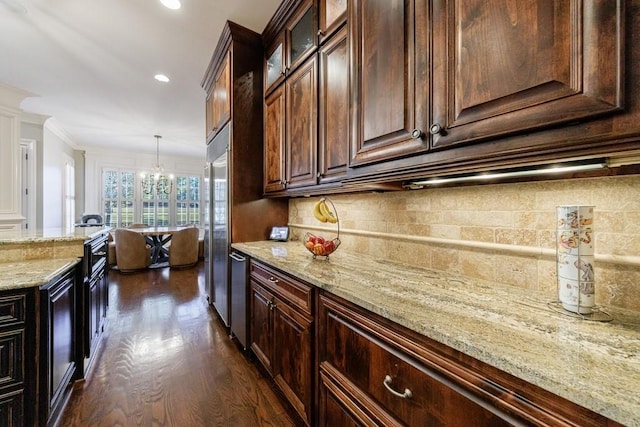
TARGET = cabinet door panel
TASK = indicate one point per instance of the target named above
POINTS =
(11, 357)
(334, 108)
(301, 121)
(11, 410)
(332, 14)
(292, 360)
(274, 65)
(301, 35)
(261, 341)
(505, 67)
(389, 80)
(222, 98)
(274, 141)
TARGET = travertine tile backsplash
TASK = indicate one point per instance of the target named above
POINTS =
(503, 233)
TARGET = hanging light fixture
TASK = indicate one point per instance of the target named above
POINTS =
(162, 183)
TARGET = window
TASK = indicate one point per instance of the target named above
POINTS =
(118, 198)
(69, 196)
(130, 198)
(187, 200)
(156, 191)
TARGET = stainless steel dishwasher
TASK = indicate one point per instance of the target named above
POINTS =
(239, 274)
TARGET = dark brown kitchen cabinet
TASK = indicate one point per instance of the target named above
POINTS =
(14, 351)
(58, 345)
(275, 175)
(390, 79)
(331, 15)
(375, 372)
(333, 117)
(291, 42)
(504, 67)
(301, 123)
(218, 103)
(281, 334)
(290, 123)
(93, 298)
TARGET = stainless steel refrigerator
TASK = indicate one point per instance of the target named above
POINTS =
(217, 232)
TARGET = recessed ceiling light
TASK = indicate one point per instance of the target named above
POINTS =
(171, 4)
(161, 78)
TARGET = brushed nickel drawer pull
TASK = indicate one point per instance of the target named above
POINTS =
(387, 383)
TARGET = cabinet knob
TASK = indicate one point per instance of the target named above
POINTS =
(437, 129)
(319, 175)
(416, 133)
(320, 33)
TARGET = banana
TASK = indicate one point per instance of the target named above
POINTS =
(326, 212)
(317, 212)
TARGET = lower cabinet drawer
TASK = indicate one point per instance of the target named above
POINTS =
(11, 357)
(12, 409)
(390, 385)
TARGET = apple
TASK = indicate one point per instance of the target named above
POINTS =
(309, 245)
(320, 240)
(329, 246)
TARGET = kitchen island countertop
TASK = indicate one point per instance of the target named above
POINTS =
(25, 274)
(593, 364)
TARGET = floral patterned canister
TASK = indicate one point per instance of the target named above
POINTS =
(575, 255)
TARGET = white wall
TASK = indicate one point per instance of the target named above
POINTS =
(55, 152)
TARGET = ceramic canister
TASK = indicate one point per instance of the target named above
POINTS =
(575, 256)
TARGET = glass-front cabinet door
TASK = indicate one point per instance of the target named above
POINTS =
(301, 35)
(274, 66)
(331, 15)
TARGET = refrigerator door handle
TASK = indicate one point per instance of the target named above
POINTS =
(235, 256)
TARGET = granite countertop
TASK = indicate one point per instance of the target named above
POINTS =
(593, 364)
(26, 274)
(52, 235)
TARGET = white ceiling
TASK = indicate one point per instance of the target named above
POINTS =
(91, 64)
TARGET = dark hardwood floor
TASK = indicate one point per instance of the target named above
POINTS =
(167, 361)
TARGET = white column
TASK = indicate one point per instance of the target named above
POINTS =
(10, 114)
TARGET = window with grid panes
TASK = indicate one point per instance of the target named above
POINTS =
(118, 197)
(187, 200)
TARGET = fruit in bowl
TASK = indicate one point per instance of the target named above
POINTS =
(319, 246)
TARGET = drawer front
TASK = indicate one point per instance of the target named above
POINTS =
(12, 309)
(286, 288)
(11, 358)
(352, 351)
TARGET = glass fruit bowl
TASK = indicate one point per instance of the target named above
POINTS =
(319, 246)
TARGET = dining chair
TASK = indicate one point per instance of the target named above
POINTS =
(132, 251)
(111, 254)
(183, 251)
(137, 226)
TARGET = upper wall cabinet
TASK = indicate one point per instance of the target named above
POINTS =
(390, 79)
(218, 104)
(502, 67)
(331, 15)
(291, 46)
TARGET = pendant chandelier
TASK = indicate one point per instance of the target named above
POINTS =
(156, 180)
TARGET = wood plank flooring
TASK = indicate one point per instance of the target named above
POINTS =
(167, 361)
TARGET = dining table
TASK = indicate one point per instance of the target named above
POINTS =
(158, 238)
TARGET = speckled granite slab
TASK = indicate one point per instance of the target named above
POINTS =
(26, 274)
(594, 364)
(51, 235)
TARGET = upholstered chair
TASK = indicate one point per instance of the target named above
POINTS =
(132, 251)
(183, 251)
(138, 226)
(111, 254)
